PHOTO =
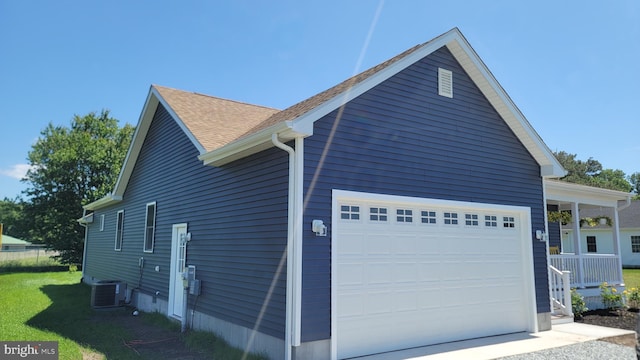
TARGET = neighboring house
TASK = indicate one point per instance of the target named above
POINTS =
(599, 239)
(397, 209)
(9, 243)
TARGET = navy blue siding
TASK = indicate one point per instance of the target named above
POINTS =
(237, 215)
(401, 138)
(555, 237)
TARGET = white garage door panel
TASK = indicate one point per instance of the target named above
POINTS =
(401, 285)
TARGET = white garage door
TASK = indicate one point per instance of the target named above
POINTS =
(411, 272)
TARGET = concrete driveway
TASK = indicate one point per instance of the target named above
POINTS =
(495, 347)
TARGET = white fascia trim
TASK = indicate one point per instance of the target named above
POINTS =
(550, 167)
(582, 194)
(144, 122)
(248, 145)
(103, 202)
(178, 121)
(86, 219)
(373, 80)
(140, 133)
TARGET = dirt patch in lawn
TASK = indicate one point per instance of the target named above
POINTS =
(147, 339)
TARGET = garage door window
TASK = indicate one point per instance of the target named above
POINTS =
(404, 215)
(490, 221)
(428, 217)
(509, 221)
(471, 219)
(349, 212)
(378, 214)
(450, 218)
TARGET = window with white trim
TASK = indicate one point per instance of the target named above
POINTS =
(378, 214)
(102, 222)
(119, 230)
(592, 245)
(450, 218)
(635, 244)
(349, 212)
(150, 227)
(471, 219)
(404, 215)
(508, 222)
(428, 217)
(490, 221)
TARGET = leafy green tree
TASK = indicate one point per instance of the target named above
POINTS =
(71, 167)
(613, 179)
(11, 217)
(591, 173)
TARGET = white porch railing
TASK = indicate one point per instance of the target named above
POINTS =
(589, 269)
(560, 291)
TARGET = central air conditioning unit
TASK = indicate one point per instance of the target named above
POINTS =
(108, 293)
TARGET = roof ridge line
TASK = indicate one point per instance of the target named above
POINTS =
(215, 97)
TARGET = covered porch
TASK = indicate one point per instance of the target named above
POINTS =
(572, 208)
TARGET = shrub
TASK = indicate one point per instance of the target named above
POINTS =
(578, 306)
(632, 298)
(610, 297)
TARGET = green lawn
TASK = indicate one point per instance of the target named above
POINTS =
(631, 278)
(54, 306)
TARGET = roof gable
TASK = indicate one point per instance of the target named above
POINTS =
(299, 118)
(225, 130)
(209, 122)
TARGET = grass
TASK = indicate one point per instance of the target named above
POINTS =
(54, 306)
(631, 278)
(34, 264)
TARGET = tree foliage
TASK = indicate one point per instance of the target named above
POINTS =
(71, 167)
(591, 173)
(12, 219)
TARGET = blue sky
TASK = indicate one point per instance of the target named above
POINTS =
(570, 66)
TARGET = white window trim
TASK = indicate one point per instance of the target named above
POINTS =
(102, 222)
(153, 232)
(120, 231)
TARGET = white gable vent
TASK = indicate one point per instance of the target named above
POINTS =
(445, 83)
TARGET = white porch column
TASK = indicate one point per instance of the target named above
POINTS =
(616, 244)
(577, 244)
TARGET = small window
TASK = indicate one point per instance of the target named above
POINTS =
(377, 214)
(404, 215)
(150, 227)
(508, 222)
(450, 218)
(490, 221)
(349, 212)
(635, 244)
(119, 230)
(471, 219)
(445, 83)
(428, 217)
(102, 222)
(591, 244)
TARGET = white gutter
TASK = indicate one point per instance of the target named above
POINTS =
(626, 204)
(294, 248)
